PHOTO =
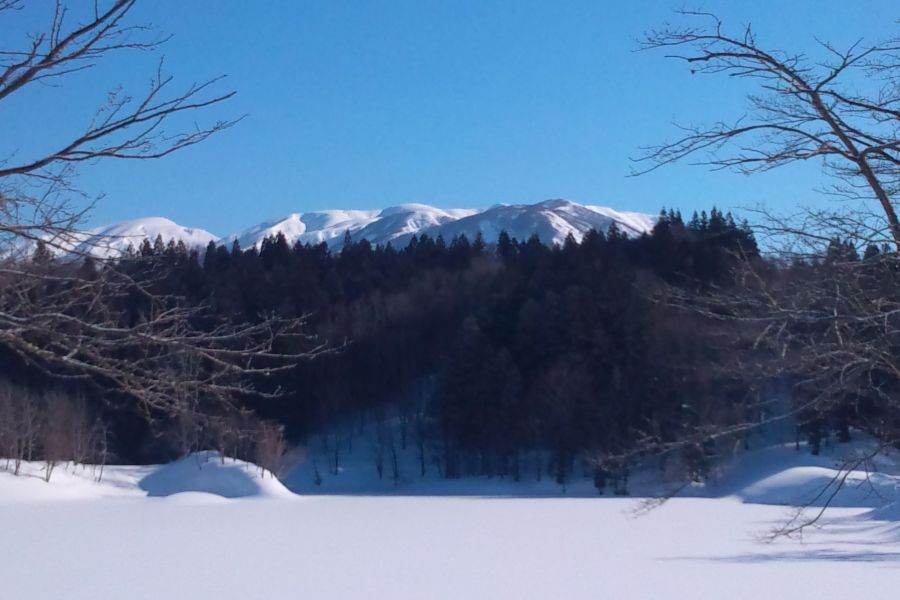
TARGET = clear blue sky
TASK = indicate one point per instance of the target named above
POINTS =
(369, 104)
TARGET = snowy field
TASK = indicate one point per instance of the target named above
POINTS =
(202, 529)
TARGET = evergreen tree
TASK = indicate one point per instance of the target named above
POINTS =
(41, 255)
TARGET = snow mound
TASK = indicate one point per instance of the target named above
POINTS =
(815, 486)
(888, 512)
(784, 475)
(210, 473)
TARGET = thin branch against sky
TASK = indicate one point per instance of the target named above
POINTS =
(367, 105)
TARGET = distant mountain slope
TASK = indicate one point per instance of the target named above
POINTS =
(551, 220)
(114, 239)
(399, 223)
(310, 227)
(330, 226)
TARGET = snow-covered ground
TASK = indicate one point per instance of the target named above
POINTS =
(203, 528)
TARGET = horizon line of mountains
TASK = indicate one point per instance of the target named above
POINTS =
(552, 221)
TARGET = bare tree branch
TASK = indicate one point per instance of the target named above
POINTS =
(74, 321)
(805, 110)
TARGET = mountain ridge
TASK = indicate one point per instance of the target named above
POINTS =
(551, 220)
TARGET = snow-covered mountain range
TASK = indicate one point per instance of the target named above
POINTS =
(377, 226)
(111, 240)
(551, 220)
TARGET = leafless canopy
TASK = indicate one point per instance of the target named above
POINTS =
(831, 319)
(77, 327)
(70, 321)
(842, 108)
(817, 320)
(38, 199)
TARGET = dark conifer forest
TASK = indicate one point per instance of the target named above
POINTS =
(478, 353)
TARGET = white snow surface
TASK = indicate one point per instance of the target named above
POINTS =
(111, 241)
(306, 228)
(201, 473)
(551, 220)
(117, 237)
(229, 533)
(212, 473)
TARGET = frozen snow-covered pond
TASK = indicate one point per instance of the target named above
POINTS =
(403, 547)
(76, 539)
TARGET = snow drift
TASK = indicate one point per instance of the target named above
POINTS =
(211, 473)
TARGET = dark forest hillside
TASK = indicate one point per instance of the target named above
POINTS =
(480, 352)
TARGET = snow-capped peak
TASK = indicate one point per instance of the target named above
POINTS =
(551, 220)
(114, 239)
(110, 241)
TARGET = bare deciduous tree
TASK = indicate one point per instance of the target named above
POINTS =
(270, 448)
(62, 424)
(816, 316)
(69, 323)
(842, 109)
(20, 423)
(37, 193)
